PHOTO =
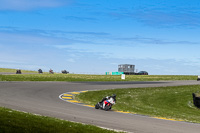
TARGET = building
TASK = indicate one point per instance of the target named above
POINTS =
(126, 68)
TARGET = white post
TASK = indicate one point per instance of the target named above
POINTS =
(123, 76)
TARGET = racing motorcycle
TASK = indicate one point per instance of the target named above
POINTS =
(106, 104)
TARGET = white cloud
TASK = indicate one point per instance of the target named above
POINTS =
(71, 60)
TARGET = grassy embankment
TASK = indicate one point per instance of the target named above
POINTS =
(14, 70)
(168, 102)
(19, 122)
(82, 77)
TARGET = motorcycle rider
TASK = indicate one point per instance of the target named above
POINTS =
(107, 98)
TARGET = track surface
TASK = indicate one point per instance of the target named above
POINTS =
(43, 98)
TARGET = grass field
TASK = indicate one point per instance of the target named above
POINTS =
(82, 77)
(19, 122)
(168, 102)
(14, 70)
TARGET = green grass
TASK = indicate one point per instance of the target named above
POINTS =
(82, 77)
(19, 122)
(14, 70)
(168, 102)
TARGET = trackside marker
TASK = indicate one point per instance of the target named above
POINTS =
(166, 119)
(74, 101)
(125, 112)
(89, 106)
(84, 91)
(67, 95)
(75, 92)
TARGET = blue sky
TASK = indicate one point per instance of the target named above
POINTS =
(94, 36)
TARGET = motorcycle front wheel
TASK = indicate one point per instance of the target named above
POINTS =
(97, 106)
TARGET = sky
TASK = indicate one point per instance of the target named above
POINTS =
(95, 36)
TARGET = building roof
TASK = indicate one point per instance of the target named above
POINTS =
(127, 64)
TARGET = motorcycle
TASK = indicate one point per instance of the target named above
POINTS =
(51, 71)
(106, 104)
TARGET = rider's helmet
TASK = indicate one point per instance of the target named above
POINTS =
(114, 96)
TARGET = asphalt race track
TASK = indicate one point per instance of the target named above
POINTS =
(43, 98)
